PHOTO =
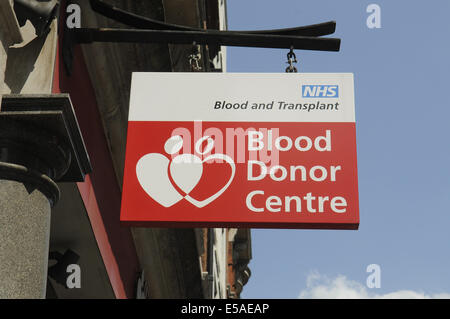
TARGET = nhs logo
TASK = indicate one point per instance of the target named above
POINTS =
(330, 91)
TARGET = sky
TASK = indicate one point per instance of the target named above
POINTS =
(403, 128)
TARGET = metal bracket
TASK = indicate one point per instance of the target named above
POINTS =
(153, 31)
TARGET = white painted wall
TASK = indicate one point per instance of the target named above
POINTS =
(220, 61)
(220, 245)
(220, 264)
(29, 68)
(9, 34)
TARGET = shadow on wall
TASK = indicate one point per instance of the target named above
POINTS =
(21, 63)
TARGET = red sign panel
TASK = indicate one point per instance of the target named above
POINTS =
(289, 172)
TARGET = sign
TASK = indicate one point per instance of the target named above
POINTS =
(241, 150)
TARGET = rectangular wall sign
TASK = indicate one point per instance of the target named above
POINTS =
(241, 150)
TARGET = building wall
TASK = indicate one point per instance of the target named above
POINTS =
(220, 261)
(221, 234)
(27, 64)
(169, 263)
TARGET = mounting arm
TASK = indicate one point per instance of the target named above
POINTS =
(153, 31)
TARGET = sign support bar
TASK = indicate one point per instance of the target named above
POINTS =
(153, 31)
(226, 38)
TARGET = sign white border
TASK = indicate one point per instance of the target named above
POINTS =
(192, 97)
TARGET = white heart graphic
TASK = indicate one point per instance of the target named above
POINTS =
(186, 171)
(153, 169)
(152, 174)
(210, 199)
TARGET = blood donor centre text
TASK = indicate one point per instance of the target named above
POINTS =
(298, 172)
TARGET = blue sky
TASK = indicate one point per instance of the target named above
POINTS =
(403, 129)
